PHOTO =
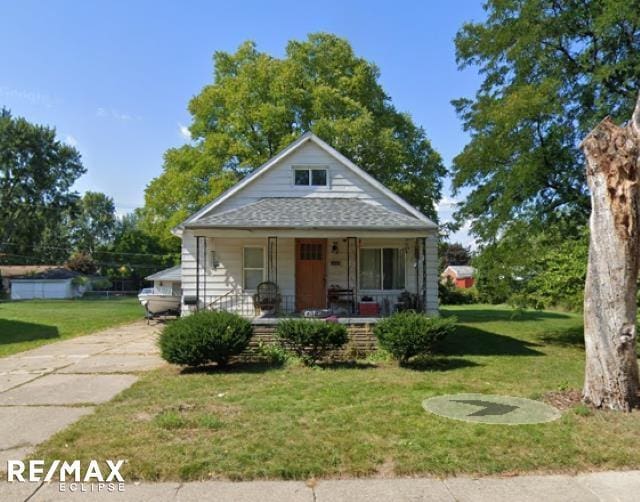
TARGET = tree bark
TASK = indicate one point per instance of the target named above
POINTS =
(613, 172)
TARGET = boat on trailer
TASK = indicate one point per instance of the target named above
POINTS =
(158, 301)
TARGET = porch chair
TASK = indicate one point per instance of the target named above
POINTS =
(267, 297)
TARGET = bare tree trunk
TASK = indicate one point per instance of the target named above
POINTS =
(613, 172)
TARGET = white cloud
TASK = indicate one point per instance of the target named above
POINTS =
(446, 203)
(184, 132)
(71, 140)
(112, 113)
(32, 97)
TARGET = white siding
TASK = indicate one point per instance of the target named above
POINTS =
(278, 182)
(227, 277)
(47, 289)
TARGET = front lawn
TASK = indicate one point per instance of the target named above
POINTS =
(364, 420)
(28, 324)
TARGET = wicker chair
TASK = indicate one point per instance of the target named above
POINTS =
(267, 298)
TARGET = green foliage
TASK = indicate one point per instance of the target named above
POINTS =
(552, 71)
(449, 294)
(310, 339)
(82, 262)
(36, 201)
(100, 283)
(134, 253)
(258, 104)
(205, 337)
(453, 253)
(95, 222)
(272, 354)
(408, 334)
(547, 269)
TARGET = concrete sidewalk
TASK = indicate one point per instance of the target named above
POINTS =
(603, 486)
(44, 390)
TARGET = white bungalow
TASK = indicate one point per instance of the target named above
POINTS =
(319, 231)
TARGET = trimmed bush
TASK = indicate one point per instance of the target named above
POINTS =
(408, 334)
(204, 338)
(311, 340)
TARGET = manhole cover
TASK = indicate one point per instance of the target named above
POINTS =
(489, 409)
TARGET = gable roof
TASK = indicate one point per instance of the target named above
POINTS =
(461, 271)
(50, 274)
(292, 147)
(168, 274)
(7, 271)
(311, 213)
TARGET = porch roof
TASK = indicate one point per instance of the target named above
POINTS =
(309, 213)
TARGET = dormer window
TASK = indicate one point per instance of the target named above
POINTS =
(310, 176)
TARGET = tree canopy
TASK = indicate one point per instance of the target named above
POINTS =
(95, 221)
(551, 71)
(37, 172)
(258, 104)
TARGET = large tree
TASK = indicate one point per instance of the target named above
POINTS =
(36, 200)
(257, 104)
(551, 70)
(95, 221)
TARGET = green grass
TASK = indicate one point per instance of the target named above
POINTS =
(294, 422)
(28, 324)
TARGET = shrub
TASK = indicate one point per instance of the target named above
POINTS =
(408, 334)
(311, 340)
(204, 338)
(451, 295)
(82, 262)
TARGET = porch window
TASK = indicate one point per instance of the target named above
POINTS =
(307, 176)
(382, 268)
(253, 267)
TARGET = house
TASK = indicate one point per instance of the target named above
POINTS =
(54, 283)
(463, 276)
(8, 272)
(317, 228)
(169, 279)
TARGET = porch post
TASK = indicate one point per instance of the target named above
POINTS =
(272, 259)
(430, 273)
(197, 273)
(352, 274)
(204, 274)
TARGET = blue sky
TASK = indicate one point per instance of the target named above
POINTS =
(115, 77)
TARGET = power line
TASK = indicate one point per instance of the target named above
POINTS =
(95, 252)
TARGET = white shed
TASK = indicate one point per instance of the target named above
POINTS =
(56, 283)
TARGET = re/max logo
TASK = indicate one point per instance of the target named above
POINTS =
(74, 471)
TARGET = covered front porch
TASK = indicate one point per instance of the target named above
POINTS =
(354, 277)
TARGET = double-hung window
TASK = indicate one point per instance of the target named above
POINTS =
(252, 267)
(310, 176)
(382, 268)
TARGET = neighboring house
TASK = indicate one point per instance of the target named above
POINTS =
(8, 272)
(55, 283)
(320, 228)
(463, 276)
(167, 279)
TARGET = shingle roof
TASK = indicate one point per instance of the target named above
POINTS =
(462, 271)
(311, 212)
(53, 273)
(168, 274)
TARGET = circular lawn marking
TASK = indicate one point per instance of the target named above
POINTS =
(491, 409)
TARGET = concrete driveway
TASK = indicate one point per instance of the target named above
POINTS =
(44, 390)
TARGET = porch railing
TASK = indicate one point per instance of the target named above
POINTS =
(244, 304)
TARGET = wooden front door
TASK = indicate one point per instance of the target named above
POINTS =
(311, 265)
